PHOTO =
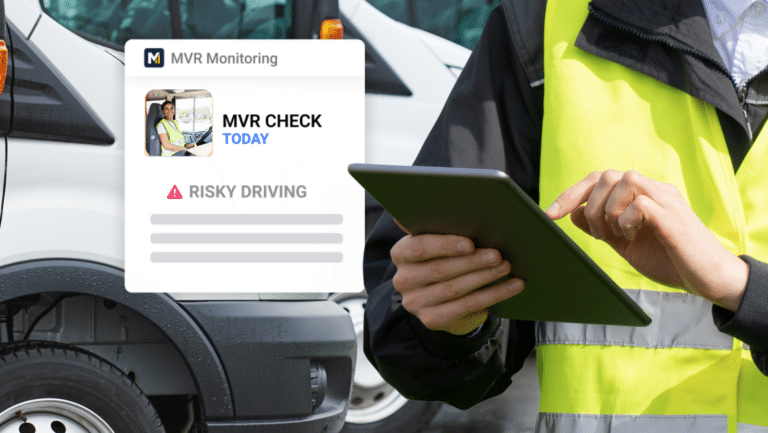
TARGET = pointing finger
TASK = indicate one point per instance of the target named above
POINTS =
(573, 197)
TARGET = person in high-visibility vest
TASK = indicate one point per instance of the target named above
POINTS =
(652, 114)
(171, 139)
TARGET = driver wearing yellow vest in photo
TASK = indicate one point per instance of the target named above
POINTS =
(171, 138)
(640, 137)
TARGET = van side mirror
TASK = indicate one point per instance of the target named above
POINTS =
(3, 48)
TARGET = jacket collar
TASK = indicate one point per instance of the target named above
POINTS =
(668, 40)
(680, 21)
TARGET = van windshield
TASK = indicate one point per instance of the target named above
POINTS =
(460, 21)
(113, 22)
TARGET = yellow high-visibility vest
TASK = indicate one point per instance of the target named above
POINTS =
(679, 374)
(174, 136)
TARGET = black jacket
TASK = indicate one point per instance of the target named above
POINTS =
(493, 119)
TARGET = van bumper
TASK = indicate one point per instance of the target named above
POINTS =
(289, 363)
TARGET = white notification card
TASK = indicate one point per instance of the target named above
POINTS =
(236, 165)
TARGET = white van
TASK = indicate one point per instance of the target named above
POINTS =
(78, 352)
(176, 363)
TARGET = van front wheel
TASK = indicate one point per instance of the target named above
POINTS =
(50, 386)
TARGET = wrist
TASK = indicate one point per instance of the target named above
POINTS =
(477, 331)
(445, 345)
(728, 289)
(468, 325)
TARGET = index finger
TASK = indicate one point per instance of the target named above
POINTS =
(573, 197)
(414, 249)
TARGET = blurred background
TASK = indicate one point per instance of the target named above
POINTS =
(459, 21)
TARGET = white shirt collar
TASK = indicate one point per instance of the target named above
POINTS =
(723, 14)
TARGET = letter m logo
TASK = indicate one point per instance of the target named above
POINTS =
(154, 57)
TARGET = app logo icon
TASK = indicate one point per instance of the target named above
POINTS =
(154, 57)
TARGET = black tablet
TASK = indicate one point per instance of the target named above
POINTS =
(562, 284)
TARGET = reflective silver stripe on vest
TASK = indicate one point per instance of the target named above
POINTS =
(578, 423)
(750, 428)
(679, 320)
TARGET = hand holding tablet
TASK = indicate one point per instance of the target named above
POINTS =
(561, 282)
(439, 277)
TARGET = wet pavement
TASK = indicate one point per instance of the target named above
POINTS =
(514, 411)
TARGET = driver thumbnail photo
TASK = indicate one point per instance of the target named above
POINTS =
(179, 122)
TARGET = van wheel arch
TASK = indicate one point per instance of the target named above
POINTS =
(81, 277)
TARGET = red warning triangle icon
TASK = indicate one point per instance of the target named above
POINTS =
(175, 194)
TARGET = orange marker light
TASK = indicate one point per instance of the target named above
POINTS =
(3, 64)
(331, 29)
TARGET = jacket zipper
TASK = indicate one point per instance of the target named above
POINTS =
(743, 91)
(740, 91)
(621, 26)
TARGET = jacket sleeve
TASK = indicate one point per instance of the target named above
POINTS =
(492, 119)
(750, 322)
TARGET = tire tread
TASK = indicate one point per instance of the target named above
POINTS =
(32, 350)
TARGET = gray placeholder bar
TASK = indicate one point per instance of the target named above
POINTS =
(246, 257)
(246, 238)
(247, 219)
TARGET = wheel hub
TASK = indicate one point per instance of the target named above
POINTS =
(51, 415)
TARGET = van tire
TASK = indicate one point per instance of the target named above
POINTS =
(414, 417)
(49, 380)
